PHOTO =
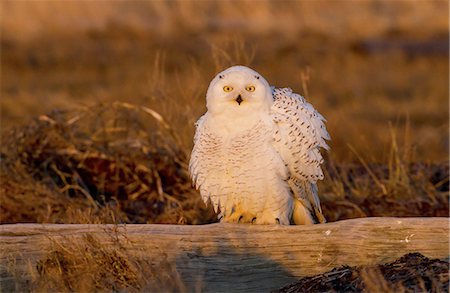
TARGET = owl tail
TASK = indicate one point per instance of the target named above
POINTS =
(302, 215)
(307, 208)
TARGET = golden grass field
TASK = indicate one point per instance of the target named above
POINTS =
(99, 101)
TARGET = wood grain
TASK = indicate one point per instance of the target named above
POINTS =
(233, 257)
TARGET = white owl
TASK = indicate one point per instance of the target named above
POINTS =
(256, 152)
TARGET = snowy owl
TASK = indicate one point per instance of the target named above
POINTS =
(256, 152)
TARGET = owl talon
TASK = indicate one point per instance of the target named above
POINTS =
(238, 217)
(269, 219)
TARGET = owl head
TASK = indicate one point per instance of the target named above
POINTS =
(238, 90)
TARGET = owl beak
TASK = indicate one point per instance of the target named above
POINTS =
(239, 99)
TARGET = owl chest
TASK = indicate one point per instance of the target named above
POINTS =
(241, 160)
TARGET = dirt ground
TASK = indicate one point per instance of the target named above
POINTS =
(411, 273)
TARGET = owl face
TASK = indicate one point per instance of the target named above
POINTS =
(238, 90)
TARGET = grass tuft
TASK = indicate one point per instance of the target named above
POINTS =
(87, 264)
(124, 163)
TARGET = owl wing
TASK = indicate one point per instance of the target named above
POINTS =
(299, 135)
(197, 167)
(204, 160)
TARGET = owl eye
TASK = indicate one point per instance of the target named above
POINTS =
(227, 88)
(250, 88)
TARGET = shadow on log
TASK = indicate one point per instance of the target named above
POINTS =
(230, 257)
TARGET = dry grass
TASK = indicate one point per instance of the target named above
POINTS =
(91, 263)
(120, 162)
(346, 19)
(376, 66)
(399, 187)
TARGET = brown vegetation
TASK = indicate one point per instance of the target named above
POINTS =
(411, 273)
(86, 264)
(364, 69)
(120, 163)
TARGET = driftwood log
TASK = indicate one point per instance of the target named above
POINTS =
(250, 258)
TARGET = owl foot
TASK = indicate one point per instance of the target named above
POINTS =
(238, 217)
(277, 221)
(267, 219)
(264, 221)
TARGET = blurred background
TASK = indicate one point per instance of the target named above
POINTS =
(368, 63)
(377, 70)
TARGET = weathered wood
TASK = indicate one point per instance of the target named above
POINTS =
(250, 258)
